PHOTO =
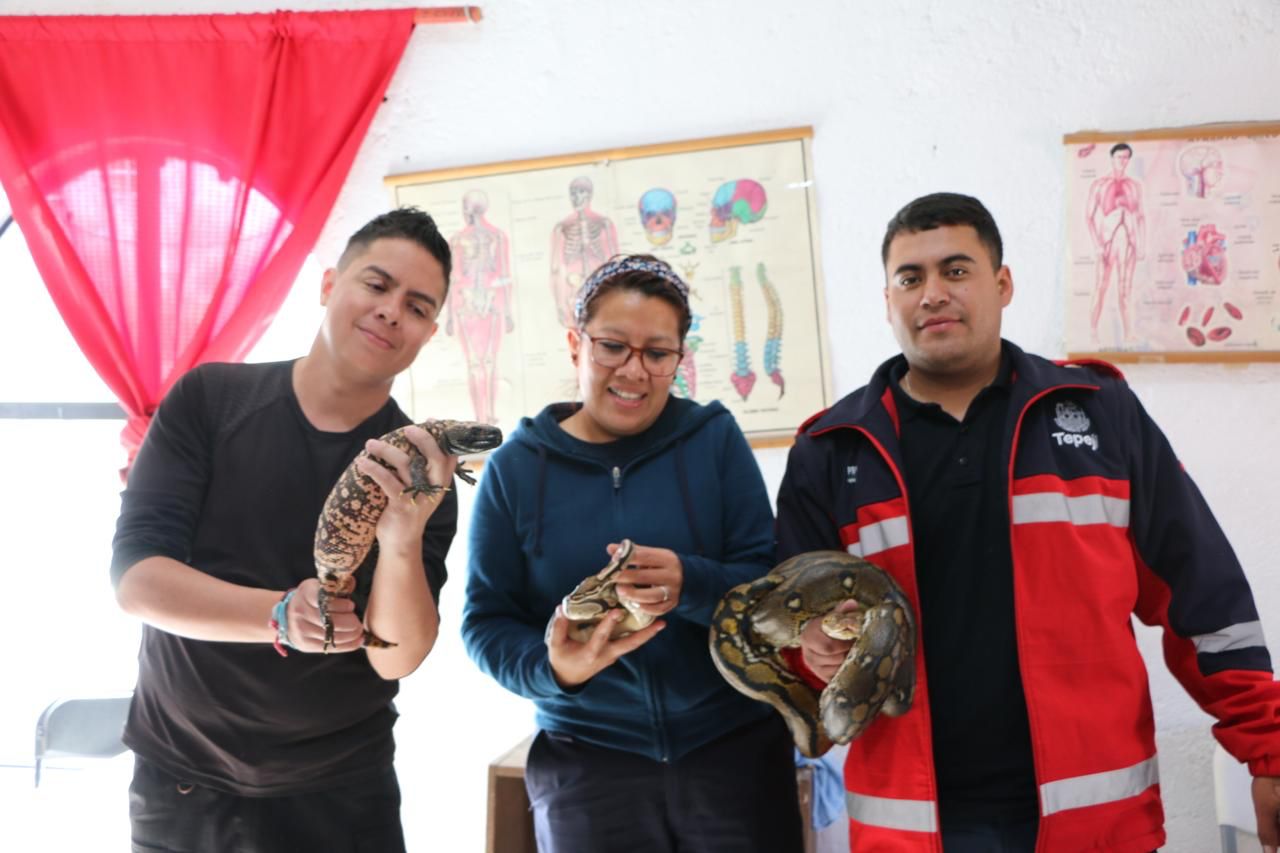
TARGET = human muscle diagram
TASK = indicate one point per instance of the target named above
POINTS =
(1116, 224)
(1170, 238)
(736, 221)
(479, 309)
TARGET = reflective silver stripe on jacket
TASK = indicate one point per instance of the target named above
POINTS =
(881, 536)
(1098, 788)
(1085, 509)
(888, 813)
(1242, 636)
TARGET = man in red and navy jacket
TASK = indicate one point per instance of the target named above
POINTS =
(1028, 509)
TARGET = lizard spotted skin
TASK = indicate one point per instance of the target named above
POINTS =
(756, 620)
(349, 520)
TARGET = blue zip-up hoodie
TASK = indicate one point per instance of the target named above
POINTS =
(547, 506)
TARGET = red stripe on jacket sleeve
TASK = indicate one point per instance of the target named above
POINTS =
(1246, 703)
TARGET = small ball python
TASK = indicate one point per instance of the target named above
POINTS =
(349, 520)
(593, 599)
(755, 620)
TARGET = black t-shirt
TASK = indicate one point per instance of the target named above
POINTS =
(231, 479)
(957, 483)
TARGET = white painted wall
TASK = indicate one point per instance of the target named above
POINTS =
(905, 98)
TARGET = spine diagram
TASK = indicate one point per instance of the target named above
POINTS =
(743, 377)
(773, 342)
(686, 380)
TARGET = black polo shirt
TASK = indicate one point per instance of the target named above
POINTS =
(958, 493)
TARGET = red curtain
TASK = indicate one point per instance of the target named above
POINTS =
(171, 173)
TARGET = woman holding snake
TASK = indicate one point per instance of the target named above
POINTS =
(642, 745)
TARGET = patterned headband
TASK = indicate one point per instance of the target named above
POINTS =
(622, 264)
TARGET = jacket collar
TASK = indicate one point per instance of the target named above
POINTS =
(871, 408)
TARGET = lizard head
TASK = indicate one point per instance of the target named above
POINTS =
(459, 437)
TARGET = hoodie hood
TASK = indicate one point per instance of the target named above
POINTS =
(680, 418)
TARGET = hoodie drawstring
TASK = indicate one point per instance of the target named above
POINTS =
(682, 476)
(539, 500)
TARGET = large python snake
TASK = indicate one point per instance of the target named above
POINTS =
(349, 520)
(755, 620)
(597, 595)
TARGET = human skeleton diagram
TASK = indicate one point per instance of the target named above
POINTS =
(743, 377)
(480, 301)
(1117, 225)
(580, 242)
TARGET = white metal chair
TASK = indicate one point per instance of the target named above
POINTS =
(81, 727)
(1232, 792)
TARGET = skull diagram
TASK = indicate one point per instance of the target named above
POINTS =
(580, 191)
(658, 215)
(737, 201)
(474, 205)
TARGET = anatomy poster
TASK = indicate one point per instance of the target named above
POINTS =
(1173, 244)
(734, 216)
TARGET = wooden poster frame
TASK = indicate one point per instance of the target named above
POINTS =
(519, 196)
(1255, 130)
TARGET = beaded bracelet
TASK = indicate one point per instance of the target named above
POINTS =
(280, 622)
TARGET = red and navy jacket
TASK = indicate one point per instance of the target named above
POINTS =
(1105, 524)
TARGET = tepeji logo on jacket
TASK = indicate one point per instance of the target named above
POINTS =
(1075, 424)
(851, 474)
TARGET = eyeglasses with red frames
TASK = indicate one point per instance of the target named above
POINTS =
(657, 361)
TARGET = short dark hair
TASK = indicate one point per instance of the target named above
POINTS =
(642, 281)
(933, 211)
(1121, 146)
(404, 223)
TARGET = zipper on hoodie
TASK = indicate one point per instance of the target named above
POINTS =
(652, 694)
(659, 719)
